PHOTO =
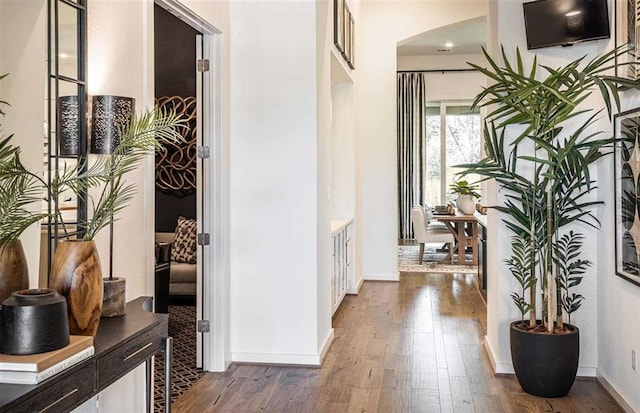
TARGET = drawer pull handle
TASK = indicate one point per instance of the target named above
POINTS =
(59, 400)
(137, 352)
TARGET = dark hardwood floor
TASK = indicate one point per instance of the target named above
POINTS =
(406, 347)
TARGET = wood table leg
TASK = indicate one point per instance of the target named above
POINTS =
(462, 243)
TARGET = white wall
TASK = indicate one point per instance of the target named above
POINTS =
(111, 70)
(343, 149)
(274, 176)
(443, 86)
(618, 300)
(437, 62)
(384, 24)
(23, 55)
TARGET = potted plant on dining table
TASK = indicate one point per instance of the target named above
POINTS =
(466, 194)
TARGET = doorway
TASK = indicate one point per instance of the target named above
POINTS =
(213, 179)
(178, 275)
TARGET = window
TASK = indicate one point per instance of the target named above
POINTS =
(456, 128)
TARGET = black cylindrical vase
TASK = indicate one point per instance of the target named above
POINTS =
(545, 364)
(33, 321)
(110, 117)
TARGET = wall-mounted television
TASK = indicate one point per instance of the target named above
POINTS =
(565, 22)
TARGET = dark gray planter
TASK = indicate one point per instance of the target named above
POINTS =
(545, 364)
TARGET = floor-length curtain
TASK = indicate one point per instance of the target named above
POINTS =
(411, 147)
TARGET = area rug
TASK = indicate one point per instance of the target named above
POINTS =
(182, 322)
(408, 261)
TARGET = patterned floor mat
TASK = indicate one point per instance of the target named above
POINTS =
(408, 261)
(182, 322)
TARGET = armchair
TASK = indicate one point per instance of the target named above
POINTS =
(425, 233)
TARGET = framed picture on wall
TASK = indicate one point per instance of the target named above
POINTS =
(351, 61)
(347, 34)
(627, 195)
(627, 28)
(338, 24)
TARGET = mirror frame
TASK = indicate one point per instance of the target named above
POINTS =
(55, 79)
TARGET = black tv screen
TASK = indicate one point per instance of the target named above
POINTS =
(565, 22)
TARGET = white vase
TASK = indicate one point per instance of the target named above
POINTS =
(466, 204)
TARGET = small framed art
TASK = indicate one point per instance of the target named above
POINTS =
(627, 195)
(338, 24)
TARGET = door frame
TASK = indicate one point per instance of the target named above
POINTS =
(215, 257)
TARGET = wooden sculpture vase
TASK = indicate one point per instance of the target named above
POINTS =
(76, 274)
(14, 275)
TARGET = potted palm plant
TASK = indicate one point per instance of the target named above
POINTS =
(466, 194)
(540, 147)
(75, 270)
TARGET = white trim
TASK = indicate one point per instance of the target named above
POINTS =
(356, 290)
(382, 277)
(201, 164)
(314, 360)
(586, 372)
(218, 291)
(617, 396)
(299, 360)
(186, 15)
(327, 345)
(489, 351)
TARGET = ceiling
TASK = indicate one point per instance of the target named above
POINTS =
(467, 37)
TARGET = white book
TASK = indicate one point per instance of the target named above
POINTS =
(31, 377)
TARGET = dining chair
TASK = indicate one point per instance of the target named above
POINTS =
(425, 233)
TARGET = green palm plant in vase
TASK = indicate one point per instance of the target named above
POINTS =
(540, 145)
(75, 270)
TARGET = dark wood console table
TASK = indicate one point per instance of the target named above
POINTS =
(122, 344)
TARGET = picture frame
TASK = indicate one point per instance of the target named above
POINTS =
(627, 195)
(338, 24)
(352, 60)
(347, 34)
(627, 31)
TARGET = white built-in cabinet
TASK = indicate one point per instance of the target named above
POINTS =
(341, 258)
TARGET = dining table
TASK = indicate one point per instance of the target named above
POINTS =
(465, 231)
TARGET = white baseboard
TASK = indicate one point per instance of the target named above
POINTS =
(614, 393)
(326, 345)
(586, 372)
(308, 360)
(383, 277)
(489, 353)
(498, 367)
(356, 290)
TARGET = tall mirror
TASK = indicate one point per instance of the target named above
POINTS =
(66, 141)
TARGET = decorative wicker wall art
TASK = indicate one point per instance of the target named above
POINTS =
(176, 162)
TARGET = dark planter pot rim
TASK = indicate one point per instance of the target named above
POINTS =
(569, 328)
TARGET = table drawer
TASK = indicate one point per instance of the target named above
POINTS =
(64, 394)
(127, 357)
